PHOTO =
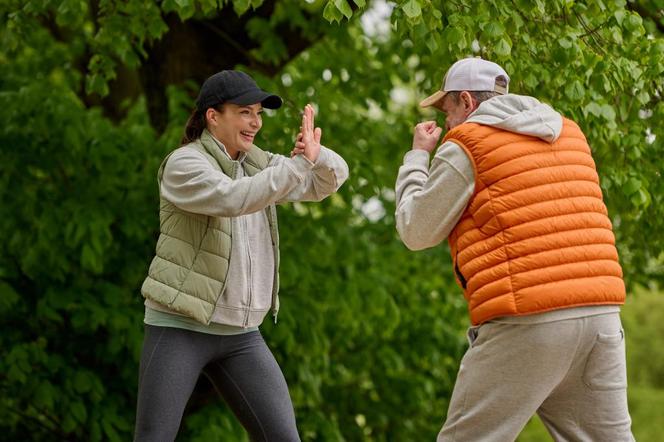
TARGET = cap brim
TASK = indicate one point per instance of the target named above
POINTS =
(433, 99)
(269, 101)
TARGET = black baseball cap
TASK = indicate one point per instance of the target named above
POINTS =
(234, 87)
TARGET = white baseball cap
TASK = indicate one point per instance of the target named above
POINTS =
(471, 74)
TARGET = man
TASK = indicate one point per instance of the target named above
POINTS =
(515, 191)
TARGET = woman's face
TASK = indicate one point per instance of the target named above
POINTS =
(235, 126)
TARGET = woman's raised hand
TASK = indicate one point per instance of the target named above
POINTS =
(308, 140)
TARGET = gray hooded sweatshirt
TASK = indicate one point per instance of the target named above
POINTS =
(430, 199)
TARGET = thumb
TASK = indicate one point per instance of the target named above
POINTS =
(317, 134)
(437, 132)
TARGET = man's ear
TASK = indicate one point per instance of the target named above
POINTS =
(469, 103)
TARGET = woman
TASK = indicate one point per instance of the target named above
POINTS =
(215, 273)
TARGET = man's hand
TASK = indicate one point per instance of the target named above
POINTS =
(426, 136)
(308, 140)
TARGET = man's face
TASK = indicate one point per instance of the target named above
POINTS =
(456, 110)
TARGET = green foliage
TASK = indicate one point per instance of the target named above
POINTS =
(76, 227)
(370, 334)
(643, 320)
(646, 406)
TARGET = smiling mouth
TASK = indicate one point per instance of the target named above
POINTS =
(248, 135)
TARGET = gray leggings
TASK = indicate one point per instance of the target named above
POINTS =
(240, 367)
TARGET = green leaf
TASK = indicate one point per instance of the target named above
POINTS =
(412, 9)
(593, 108)
(575, 91)
(432, 43)
(494, 29)
(565, 42)
(503, 48)
(344, 7)
(241, 6)
(82, 382)
(608, 112)
(45, 395)
(641, 198)
(79, 411)
(634, 24)
(643, 97)
(360, 3)
(8, 297)
(331, 13)
(631, 186)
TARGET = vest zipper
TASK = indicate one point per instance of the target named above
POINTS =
(462, 280)
(249, 276)
(271, 219)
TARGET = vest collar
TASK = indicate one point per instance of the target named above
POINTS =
(207, 138)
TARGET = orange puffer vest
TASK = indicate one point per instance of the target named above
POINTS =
(535, 235)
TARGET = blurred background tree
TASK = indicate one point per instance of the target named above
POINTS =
(93, 94)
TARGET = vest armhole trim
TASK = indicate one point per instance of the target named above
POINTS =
(470, 158)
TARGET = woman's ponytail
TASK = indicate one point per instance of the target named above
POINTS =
(195, 125)
(194, 128)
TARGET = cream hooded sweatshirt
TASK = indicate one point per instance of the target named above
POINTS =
(193, 184)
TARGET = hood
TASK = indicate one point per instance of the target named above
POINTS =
(520, 114)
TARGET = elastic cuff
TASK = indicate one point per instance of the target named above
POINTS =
(418, 156)
(300, 166)
(322, 157)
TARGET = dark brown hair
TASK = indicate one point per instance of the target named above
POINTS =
(195, 125)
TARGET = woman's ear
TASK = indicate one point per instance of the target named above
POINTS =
(211, 116)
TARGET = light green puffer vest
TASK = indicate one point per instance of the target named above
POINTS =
(188, 273)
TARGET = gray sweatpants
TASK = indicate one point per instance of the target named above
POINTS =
(570, 372)
(240, 367)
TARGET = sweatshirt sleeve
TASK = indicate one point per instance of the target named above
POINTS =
(431, 200)
(193, 184)
(322, 178)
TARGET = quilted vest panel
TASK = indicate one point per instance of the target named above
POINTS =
(189, 270)
(535, 235)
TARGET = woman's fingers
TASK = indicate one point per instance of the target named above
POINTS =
(305, 124)
(311, 118)
(296, 152)
(308, 132)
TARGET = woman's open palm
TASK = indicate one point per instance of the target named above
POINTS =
(308, 140)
